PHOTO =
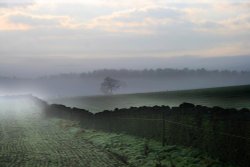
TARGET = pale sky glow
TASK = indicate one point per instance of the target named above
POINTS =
(83, 29)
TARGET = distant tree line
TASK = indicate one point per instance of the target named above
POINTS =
(165, 72)
(150, 73)
(222, 133)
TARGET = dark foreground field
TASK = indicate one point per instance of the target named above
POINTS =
(28, 138)
(227, 97)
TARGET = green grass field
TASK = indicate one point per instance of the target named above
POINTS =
(228, 97)
(28, 139)
(54, 143)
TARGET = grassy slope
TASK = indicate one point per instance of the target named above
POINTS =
(138, 152)
(32, 141)
(228, 97)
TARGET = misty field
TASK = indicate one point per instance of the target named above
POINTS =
(28, 138)
(43, 144)
(55, 143)
(227, 97)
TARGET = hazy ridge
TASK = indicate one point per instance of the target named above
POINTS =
(134, 81)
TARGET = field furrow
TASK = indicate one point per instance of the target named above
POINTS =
(30, 141)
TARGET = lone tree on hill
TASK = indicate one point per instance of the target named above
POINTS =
(109, 85)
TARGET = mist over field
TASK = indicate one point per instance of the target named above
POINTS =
(133, 81)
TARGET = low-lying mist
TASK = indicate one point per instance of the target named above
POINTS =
(134, 81)
(22, 106)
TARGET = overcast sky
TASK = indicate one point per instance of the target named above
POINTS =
(51, 36)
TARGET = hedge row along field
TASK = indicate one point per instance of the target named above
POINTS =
(28, 138)
(222, 133)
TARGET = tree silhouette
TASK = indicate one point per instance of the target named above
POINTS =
(109, 85)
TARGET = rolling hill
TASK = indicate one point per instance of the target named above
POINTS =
(227, 97)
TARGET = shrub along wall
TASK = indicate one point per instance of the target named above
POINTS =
(222, 133)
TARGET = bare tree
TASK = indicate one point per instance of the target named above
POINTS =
(109, 85)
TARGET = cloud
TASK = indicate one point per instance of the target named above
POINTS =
(38, 21)
(15, 3)
(146, 17)
(6, 25)
(33, 21)
(22, 19)
(225, 49)
(139, 21)
(221, 18)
